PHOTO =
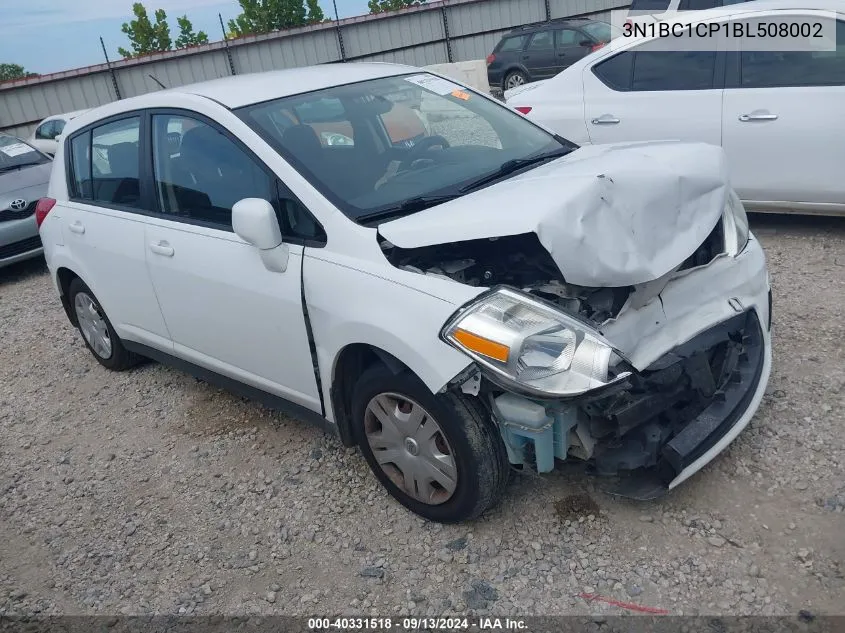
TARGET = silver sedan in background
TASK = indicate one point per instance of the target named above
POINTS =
(24, 174)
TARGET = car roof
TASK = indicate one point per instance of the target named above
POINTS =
(538, 26)
(242, 90)
(65, 115)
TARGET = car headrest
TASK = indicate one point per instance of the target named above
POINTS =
(123, 160)
(301, 141)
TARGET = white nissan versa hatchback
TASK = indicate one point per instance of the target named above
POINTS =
(487, 296)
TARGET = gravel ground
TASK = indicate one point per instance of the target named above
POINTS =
(151, 492)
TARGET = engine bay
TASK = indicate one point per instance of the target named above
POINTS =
(519, 261)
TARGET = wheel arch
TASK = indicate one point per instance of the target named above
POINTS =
(64, 277)
(352, 361)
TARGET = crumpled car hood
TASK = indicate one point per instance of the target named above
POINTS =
(609, 215)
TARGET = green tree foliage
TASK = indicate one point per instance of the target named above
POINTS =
(144, 36)
(379, 6)
(315, 13)
(187, 37)
(14, 71)
(263, 16)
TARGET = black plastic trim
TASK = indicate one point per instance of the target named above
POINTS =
(729, 406)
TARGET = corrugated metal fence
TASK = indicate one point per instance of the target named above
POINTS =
(437, 32)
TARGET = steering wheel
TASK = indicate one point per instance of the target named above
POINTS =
(423, 146)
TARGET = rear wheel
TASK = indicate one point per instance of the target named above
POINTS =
(514, 79)
(96, 329)
(438, 455)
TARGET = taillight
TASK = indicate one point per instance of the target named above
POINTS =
(44, 206)
(629, 22)
(523, 109)
(491, 58)
(598, 46)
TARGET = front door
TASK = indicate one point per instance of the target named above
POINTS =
(225, 311)
(784, 125)
(539, 56)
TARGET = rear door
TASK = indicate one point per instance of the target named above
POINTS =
(569, 48)
(103, 226)
(650, 93)
(784, 124)
(539, 56)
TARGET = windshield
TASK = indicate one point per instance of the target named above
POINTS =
(15, 154)
(375, 146)
(602, 31)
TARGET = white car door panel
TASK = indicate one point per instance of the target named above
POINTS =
(224, 309)
(641, 95)
(226, 312)
(783, 126)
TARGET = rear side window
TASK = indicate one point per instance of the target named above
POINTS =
(115, 162)
(544, 40)
(510, 44)
(650, 71)
(673, 70)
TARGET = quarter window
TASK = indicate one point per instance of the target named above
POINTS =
(200, 173)
(542, 41)
(115, 163)
(80, 160)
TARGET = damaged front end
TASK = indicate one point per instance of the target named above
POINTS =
(645, 383)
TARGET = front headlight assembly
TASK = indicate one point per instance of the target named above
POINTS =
(737, 232)
(530, 347)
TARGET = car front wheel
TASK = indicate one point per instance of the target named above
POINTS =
(437, 454)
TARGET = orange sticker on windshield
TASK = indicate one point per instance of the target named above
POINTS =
(460, 94)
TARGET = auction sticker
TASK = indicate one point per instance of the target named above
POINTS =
(15, 149)
(435, 84)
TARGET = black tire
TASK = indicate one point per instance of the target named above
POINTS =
(119, 358)
(513, 75)
(475, 444)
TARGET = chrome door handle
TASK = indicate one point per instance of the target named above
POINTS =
(162, 248)
(76, 227)
(605, 119)
(746, 118)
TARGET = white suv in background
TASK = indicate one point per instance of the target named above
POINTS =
(46, 135)
(484, 296)
(778, 115)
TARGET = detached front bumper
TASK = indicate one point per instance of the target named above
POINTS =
(688, 397)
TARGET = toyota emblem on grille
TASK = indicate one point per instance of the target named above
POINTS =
(18, 205)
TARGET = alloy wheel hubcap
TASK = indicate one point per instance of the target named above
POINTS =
(411, 448)
(92, 325)
(515, 80)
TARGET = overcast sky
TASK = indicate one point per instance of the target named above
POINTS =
(46, 36)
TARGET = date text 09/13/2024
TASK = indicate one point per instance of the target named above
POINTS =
(415, 624)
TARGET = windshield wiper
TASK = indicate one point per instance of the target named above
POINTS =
(6, 168)
(412, 205)
(511, 166)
